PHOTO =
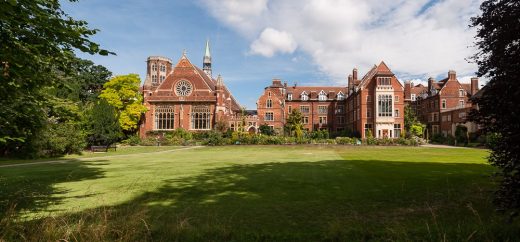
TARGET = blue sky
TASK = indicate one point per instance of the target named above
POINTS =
(311, 42)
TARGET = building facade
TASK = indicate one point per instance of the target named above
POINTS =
(444, 104)
(184, 96)
(375, 103)
(322, 108)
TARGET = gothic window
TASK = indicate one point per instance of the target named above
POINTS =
(304, 96)
(269, 103)
(384, 106)
(200, 117)
(183, 88)
(322, 96)
(164, 117)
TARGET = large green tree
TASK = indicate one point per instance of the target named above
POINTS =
(37, 42)
(498, 59)
(122, 92)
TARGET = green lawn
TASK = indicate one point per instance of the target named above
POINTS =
(256, 193)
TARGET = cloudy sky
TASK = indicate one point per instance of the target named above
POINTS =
(309, 42)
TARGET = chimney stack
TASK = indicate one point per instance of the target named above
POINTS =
(350, 82)
(407, 90)
(474, 85)
(430, 84)
(354, 74)
(452, 75)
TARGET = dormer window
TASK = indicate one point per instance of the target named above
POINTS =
(340, 96)
(322, 96)
(304, 96)
(289, 96)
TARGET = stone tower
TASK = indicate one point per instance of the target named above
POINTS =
(206, 66)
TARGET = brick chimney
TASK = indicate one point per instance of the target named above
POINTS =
(350, 82)
(407, 90)
(354, 74)
(452, 75)
(474, 85)
(430, 84)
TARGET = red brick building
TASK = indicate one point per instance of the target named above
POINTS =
(445, 104)
(375, 103)
(322, 108)
(184, 96)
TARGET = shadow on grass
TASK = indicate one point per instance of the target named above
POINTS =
(331, 200)
(31, 188)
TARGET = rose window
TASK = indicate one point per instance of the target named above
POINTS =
(183, 88)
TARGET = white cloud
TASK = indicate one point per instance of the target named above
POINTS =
(272, 41)
(416, 38)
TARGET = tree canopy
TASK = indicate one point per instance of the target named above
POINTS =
(498, 43)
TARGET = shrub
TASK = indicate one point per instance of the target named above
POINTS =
(132, 140)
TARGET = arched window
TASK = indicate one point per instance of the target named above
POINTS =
(304, 96)
(322, 96)
(200, 117)
(164, 117)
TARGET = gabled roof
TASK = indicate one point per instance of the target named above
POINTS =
(381, 69)
(309, 90)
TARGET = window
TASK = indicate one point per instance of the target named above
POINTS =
(369, 98)
(368, 129)
(322, 109)
(200, 117)
(161, 78)
(443, 106)
(435, 129)
(305, 120)
(154, 79)
(384, 106)
(322, 96)
(461, 92)
(396, 98)
(289, 108)
(435, 117)
(413, 97)
(269, 94)
(163, 68)
(269, 103)
(397, 130)
(164, 117)
(340, 96)
(304, 96)
(461, 103)
(269, 116)
(289, 96)
(340, 109)
(384, 81)
(397, 113)
(304, 109)
(369, 112)
(154, 67)
(183, 88)
(340, 119)
(323, 120)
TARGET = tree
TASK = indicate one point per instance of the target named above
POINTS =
(38, 40)
(412, 125)
(294, 124)
(498, 43)
(266, 129)
(122, 92)
(102, 124)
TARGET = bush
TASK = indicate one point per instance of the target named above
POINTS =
(132, 140)
(346, 141)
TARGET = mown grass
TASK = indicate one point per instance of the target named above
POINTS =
(258, 193)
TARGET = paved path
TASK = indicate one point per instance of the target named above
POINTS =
(94, 158)
(443, 146)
